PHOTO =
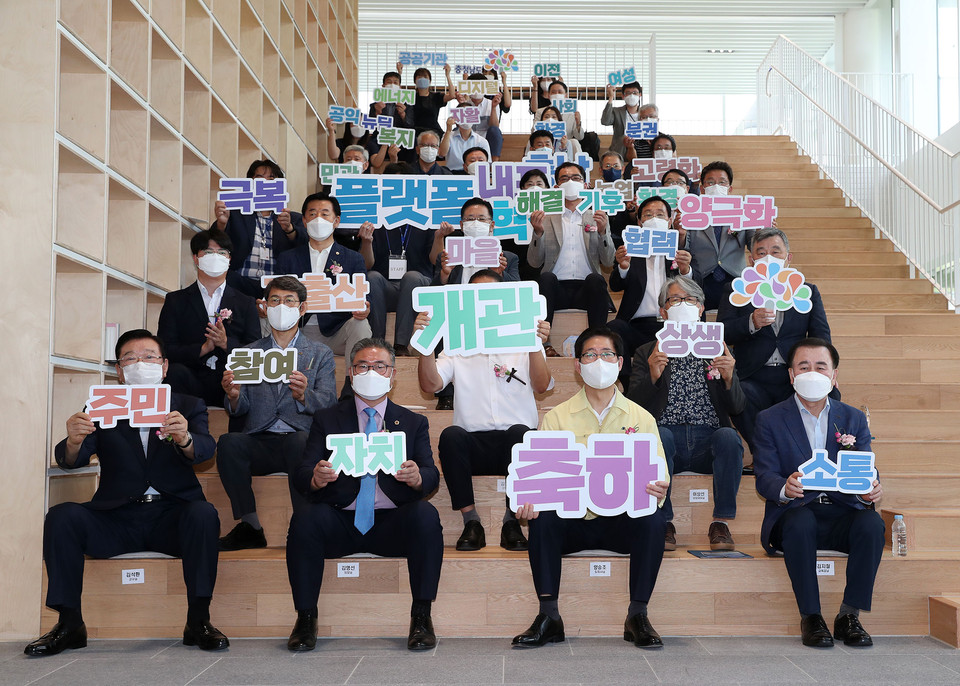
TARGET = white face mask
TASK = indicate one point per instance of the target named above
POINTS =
(656, 223)
(143, 374)
(475, 229)
(716, 189)
(370, 385)
(812, 386)
(428, 155)
(558, 96)
(283, 317)
(356, 131)
(472, 168)
(466, 128)
(770, 259)
(550, 119)
(663, 154)
(571, 189)
(633, 99)
(545, 85)
(476, 99)
(683, 312)
(319, 228)
(681, 191)
(599, 374)
(213, 264)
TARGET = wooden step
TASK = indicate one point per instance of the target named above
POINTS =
(903, 424)
(836, 261)
(898, 396)
(801, 244)
(925, 347)
(929, 529)
(945, 619)
(840, 285)
(886, 303)
(490, 593)
(792, 222)
(816, 272)
(906, 457)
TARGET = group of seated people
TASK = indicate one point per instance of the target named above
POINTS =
(777, 370)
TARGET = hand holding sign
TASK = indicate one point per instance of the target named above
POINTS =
(854, 472)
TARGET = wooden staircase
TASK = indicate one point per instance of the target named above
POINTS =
(900, 358)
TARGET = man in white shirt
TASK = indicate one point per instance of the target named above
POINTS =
(494, 406)
(571, 248)
(457, 140)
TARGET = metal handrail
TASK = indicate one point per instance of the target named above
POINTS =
(896, 172)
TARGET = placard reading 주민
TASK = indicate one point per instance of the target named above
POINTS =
(252, 365)
(770, 285)
(622, 76)
(608, 476)
(394, 200)
(469, 251)
(700, 339)
(647, 242)
(405, 96)
(343, 293)
(359, 454)
(143, 406)
(854, 472)
(649, 170)
(477, 87)
(254, 195)
(737, 212)
(479, 317)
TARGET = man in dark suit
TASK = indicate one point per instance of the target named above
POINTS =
(476, 220)
(278, 414)
(339, 331)
(799, 521)
(258, 239)
(381, 514)
(692, 400)
(197, 334)
(148, 499)
(761, 338)
(641, 279)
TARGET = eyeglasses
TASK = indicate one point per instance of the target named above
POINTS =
(676, 300)
(614, 165)
(486, 220)
(564, 179)
(606, 356)
(650, 215)
(381, 368)
(289, 301)
(130, 359)
(677, 182)
(211, 251)
(715, 183)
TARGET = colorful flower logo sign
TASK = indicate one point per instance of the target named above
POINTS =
(502, 60)
(772, 286)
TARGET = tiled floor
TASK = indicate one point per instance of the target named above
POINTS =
(893, 660)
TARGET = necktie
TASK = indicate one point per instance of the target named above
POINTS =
(719, 274)
(363, 515)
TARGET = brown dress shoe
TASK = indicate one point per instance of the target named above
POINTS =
(720, 538)
(670, 537)
(550, 351)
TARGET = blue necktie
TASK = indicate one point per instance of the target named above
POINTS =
(363, 515)
(719, 274)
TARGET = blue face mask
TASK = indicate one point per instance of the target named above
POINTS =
(423, 83)
(612, 174)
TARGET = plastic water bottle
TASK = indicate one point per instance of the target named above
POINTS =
(898, 536)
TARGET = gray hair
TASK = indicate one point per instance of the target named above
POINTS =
(428, 132)
(365, 343)
(650, 106)
(764, 234)
(611, 153)
(688, 285)
(358, 148)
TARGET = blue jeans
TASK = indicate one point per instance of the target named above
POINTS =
(704, 450)
(495, 139)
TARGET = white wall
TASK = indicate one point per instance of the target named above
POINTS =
(915, 51)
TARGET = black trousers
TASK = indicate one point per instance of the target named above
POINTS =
(240, 457)
(552, 537)
(801, 531)
(590, 294)
(713, 289)
(464, 454)
(188, 530)
(321, 532)
(634, 333)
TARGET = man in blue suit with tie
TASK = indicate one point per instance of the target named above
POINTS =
(382, 514)
(800, 521)
(277, 415)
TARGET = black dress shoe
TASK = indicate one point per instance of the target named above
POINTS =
(639, 630)
(815, 633)
(511, 536)
(242, 537)
(670, 537)
(445, 402)
(400, 350)
(421, 635)
(473, 537)
(543, 630)
(57, 640)
(847, 628)
(304, 634)
(205, 636)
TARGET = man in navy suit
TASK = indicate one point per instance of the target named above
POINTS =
(382, 514)
(761, 338)
(148, 499)
(258, 239)
(476, 220)
(641, 280)
(197, 335)
(278, 415)
(799, 521)
(339, 331)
